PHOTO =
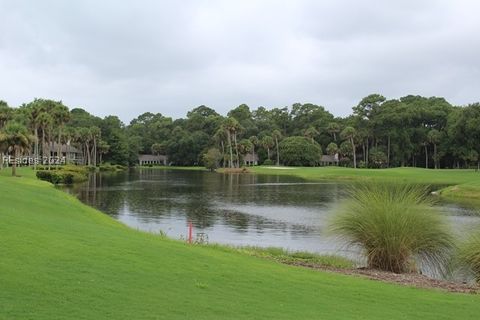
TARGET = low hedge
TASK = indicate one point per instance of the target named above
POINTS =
(61, 176)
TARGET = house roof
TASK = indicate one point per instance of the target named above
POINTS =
(63, 148)
(329, 158)
(151, 157)
(249, 157)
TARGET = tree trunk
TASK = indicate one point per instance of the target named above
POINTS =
(43, 145)
(95, 151)
(35, 149)
(368, 151)
(87, 151)
(253, 153)
(268, 153)
(435, 155)
(354, 154)
(426, 157)
(229, 137)
(223, 153)
(51, 148)
(59, 147)
(278, 153)
(236, 150)
(388, 152)
(14, 167)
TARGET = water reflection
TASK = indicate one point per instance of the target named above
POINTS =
(235, 209)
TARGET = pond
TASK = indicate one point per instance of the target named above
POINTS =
(234, 209)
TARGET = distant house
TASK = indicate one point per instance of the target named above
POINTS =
(250, 160)
(329, 160)
(71, 154)
(146, 159)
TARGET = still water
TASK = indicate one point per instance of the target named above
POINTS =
(236, 209)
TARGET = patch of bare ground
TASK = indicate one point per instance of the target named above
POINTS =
(406, 279)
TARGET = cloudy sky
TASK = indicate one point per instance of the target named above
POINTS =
(129, 57)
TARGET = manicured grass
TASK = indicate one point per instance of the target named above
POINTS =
(63, 260)
(464, 183)
(415, 175)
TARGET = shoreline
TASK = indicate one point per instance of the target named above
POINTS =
(457, 186)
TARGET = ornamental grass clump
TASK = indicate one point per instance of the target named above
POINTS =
(469, 255)
(396, 226)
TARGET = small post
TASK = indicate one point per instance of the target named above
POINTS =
(190, 231)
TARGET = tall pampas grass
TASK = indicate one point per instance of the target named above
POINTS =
(469, 255)
(396, 226)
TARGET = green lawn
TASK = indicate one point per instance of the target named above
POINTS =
(465, 184)
(63, 260)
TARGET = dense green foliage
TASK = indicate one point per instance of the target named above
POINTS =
(212, 158)
(64, 260)
(410, 131)
(396, 226)
(64, 174)
(299, 151)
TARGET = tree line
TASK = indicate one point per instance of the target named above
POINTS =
(410, 131)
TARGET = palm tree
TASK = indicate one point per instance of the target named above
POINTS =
(311, 133)
(61, 116)
(102, 149)
(220, 137)
(95, 134)
(277, 136)
(82, 138)
(332, 148)
(45, 122)
(245, 146)
(349, 133)
(35, 109)
(333, 128)
(5, 113)
(16, 139)
(267, 143)
(434, 136)
(254, 140)
(231, 127)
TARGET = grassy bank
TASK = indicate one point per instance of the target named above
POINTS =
(195, 168)
(64, 260)
(464, 185)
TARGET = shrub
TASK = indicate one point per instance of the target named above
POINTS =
(268, 162)
(44, 175)
(299, 151)
(396, 226)
(469, 255)
(212, 159)
(64, 176)
(111, 167)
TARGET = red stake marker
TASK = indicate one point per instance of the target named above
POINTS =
(190, 231)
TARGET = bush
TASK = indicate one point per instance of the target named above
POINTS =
(268, 162)
(44, 175)
(396, 226)
(212, 159)
(299, 151)
(64, 176)
(469, 255)
(111, 167)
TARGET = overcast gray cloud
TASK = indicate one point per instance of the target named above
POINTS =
(129, 57)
